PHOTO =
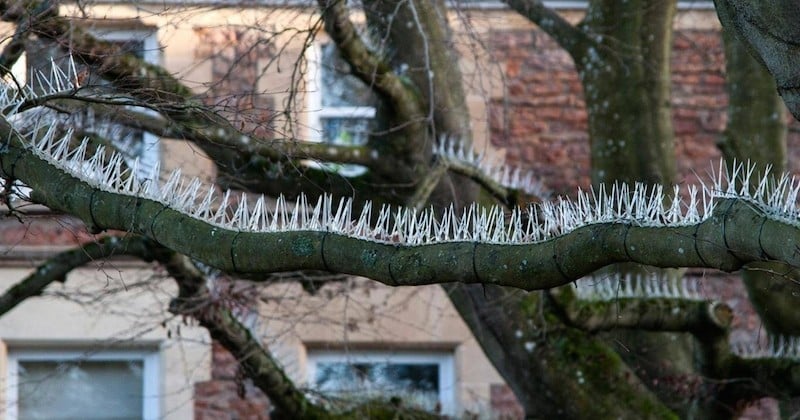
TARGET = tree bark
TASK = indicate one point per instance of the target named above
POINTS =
(770, 31)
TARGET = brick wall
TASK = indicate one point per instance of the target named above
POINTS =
(227, 396)
(542, 123)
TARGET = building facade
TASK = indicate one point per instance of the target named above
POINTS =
(106, 329)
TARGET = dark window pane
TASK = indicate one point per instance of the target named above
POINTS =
(418, 383)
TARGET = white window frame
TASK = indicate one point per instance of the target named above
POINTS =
(314, 97)
(444, 360)
(151, 149)
(151, 392)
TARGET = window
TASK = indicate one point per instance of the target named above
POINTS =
(73, 385)
(134, 143)
(422, 379)
(341, 107)
(140, 41)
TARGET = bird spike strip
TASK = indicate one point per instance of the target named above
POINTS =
(639, 205)
(498, 170)
(59, 81)
(636, 204)
(780, 346)
(612, 286)
(65, 80)
(470, 238)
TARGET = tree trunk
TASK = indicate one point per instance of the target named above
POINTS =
(625, 77)
(626, 80)
(554, 370)
(756, 133)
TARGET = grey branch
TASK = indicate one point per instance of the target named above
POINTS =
(657, 314)
(56, 268)
(567, 35)
(270, 149)
(366, 65)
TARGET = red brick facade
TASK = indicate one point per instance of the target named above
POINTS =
(227, 396)
(542, 122)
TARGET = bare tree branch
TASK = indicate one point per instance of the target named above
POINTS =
(426, 186)
(56, 268)
(723, 240)
(256, 360)
(649, 314)
(571, 38)
(259, 365)
(273, 150)
(193, 300)
(505, 195)
(365, 64)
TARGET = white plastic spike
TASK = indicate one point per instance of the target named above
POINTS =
(169, 189)
(637, 204)
(203, 211)
(112, 174)
(293, 216)
(781, 347)
(241, 216)
(454, 149)
(613, 286)
(151, 186)
(316, 223)
(186, 199)
(364, 221)
(220, 217)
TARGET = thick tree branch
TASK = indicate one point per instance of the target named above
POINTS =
(365, 64)
(571, 38)
(724, 240)
(650, 314)
(770, 31)
(709, 322)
